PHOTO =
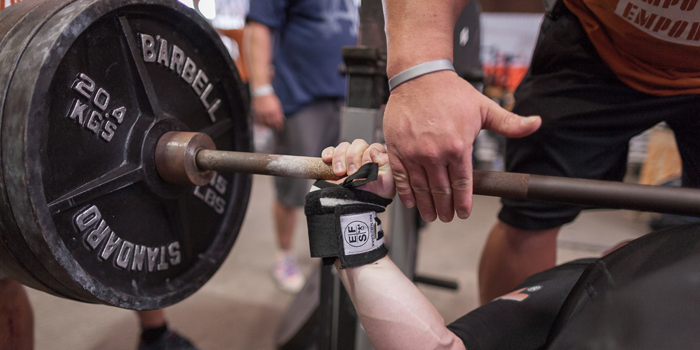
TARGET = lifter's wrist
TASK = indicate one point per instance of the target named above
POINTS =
(342, 220)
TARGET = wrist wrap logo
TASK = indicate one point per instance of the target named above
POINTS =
(361, 233)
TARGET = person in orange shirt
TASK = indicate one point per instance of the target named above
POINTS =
(602, 72)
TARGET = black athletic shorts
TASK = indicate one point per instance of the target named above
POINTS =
(589, 116)
(522, 319)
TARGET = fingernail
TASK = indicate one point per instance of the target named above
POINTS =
(326, 154)
(409, 204)
(429, 217)
(528, 120)
(351, 169)
(374, 153)
(463, 214)
(338, 167)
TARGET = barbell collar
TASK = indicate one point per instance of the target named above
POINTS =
(175, 157)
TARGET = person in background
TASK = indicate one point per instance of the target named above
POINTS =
(293, 53)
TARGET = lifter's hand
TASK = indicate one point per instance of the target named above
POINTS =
(394, 312)
(268, 111)
(430, 125)
(347, 158)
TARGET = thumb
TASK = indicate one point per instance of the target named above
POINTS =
(384, 186)
(510, 124)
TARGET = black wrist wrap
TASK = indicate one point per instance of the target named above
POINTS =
(342, 220)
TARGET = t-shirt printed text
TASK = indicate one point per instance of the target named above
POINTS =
(676, 21)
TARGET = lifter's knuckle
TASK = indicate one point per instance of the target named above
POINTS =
(359, 142)
(353, 153)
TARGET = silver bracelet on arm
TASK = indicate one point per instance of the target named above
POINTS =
(418, 70)
(263, 90)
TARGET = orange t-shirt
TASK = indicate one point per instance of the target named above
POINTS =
(652, 45)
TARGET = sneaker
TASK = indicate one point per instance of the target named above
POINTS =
(286, 273)
(169, 341)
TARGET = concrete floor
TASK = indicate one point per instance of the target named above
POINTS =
(240, 307)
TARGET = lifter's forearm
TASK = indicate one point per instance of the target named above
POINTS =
(258, 54)
(419, 31)
(395, 314)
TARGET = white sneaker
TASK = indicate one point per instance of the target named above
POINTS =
(286, 272)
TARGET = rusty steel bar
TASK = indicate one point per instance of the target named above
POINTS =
(606, 194)
(591, 193)
(264, 164)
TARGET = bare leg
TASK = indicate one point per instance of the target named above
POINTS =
(511, 255)
(16, 317)
(151, 318)
(285, 221)
(285, 270)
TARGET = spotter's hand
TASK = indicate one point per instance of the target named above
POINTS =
(430, 125)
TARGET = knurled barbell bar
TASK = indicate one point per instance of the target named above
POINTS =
(111, 187)
(189, 158)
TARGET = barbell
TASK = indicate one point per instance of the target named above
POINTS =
(188, 158)
(125, 153)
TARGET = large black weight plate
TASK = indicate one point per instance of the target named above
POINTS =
(17, 28)
(92, 90)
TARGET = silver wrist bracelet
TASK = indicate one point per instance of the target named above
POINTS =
(418, 70)
(263, 90)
